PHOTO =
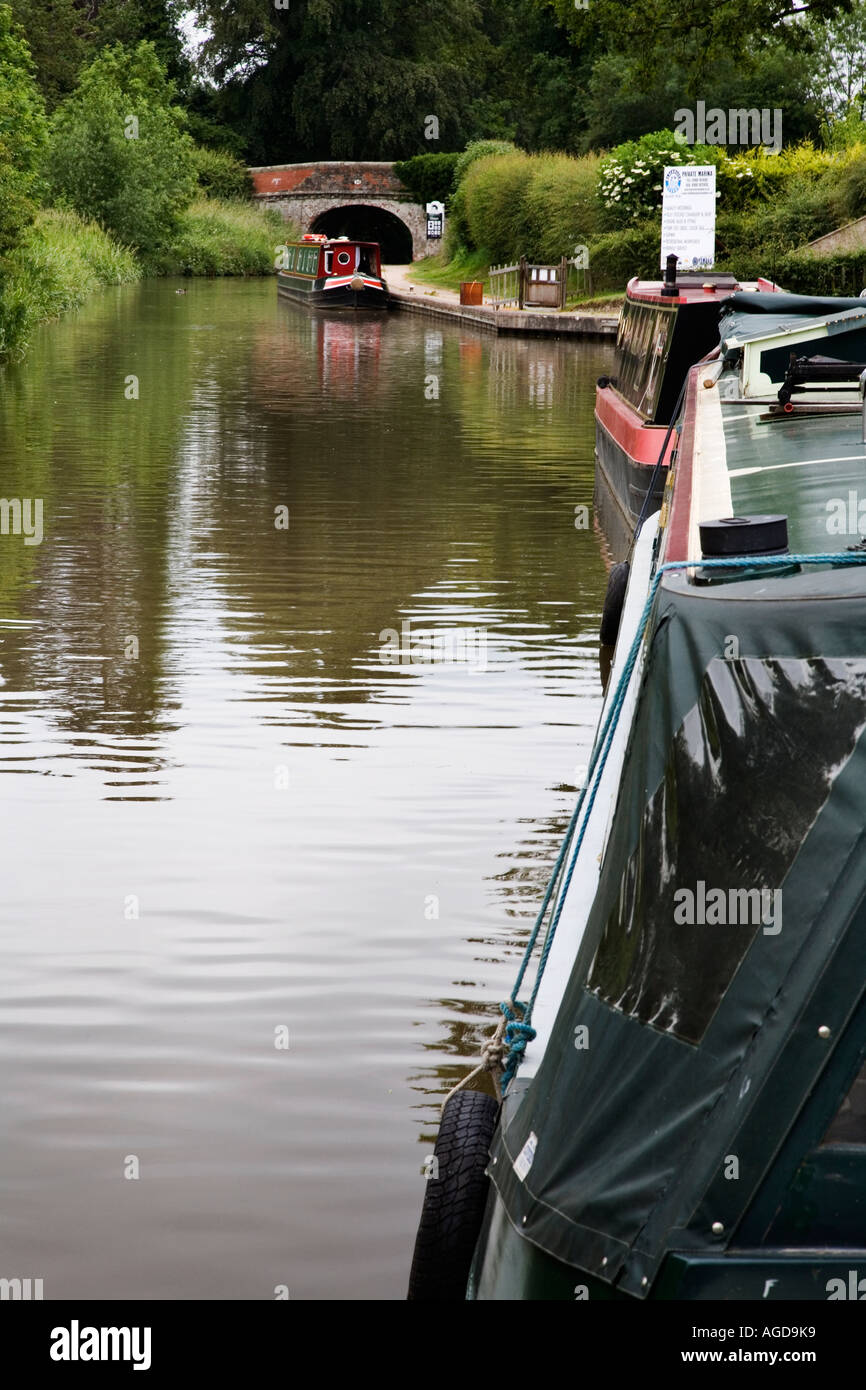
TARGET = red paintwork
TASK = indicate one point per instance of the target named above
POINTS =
(650, 292)
(641, 442)
(337, 272)
(677, 547)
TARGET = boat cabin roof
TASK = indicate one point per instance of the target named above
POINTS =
(331, 241)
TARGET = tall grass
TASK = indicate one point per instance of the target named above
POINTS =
(223, 236)
(61, 261)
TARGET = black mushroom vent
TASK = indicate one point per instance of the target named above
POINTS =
(744, 535)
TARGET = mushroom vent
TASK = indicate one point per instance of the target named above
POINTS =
(744, 535)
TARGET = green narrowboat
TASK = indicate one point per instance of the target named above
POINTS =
(680, 1092)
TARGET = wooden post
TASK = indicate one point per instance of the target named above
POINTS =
(563, 276)
(521, 282)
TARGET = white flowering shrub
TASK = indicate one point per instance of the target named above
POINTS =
(630, 178)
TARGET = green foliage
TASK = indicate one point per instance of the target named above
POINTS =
(561, 207)
(614, 257)
(222, 237)
(60, 261)
(619, 106)
(842, 274)
(23, 134)
(206, 130)
(337, 79)
(838, 65)
(654, 31)
(65, 35)
(221, 174)
(135, 179)
(480, 149)
(845, 185)
(492, 194)
(630, 179)
(429, 177)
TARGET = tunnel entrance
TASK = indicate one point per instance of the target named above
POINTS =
(365, 223)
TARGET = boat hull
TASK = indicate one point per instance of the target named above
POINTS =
(621, 487)
(320, 294)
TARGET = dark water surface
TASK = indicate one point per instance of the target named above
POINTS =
(225, 816)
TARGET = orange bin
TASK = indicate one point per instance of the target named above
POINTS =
(471, 292)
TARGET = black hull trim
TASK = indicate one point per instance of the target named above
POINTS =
(343, 297)
(621, 488)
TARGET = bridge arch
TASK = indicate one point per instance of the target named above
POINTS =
(367, 222)
(348, 198)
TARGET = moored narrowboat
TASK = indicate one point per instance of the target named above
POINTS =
(331, 273)
(664, 328)
(675, 1099)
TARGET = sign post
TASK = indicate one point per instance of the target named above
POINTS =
(435, 220)
(689, 216)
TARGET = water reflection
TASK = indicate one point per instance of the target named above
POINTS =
(229, 812)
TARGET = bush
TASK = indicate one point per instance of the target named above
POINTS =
(119, 149)
(561, 208)
(630, 178)
(493, 193)
(806, 274)
(220, 173)
(223, 237)
(479, 149)
(428, 177)
(614, 257)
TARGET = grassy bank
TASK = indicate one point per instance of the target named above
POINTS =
(63, 259)
(222, 236)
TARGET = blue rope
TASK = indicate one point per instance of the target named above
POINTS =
(519, 1031)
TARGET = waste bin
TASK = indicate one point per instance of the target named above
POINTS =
(471, 292)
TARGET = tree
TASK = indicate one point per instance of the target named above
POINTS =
(839, 65)
(64, 35)
(661, 31)
(345, 79)
(120, 152)
(23, 133)
(618, 108)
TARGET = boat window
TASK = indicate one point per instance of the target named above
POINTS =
(849, 1123)
(365, 260)
(643, 342)
(329, 261)
(344, 258)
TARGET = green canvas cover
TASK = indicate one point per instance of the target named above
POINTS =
(746, 770)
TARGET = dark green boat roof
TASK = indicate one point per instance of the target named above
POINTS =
(746, 771)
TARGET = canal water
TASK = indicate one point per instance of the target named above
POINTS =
(293, 695)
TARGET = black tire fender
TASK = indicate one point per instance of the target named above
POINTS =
(614, 601)
(454, 1200)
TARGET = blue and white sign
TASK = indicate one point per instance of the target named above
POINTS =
(689, 216)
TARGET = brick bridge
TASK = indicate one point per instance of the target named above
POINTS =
(346, 198)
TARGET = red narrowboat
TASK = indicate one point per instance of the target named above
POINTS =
(332, 273)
